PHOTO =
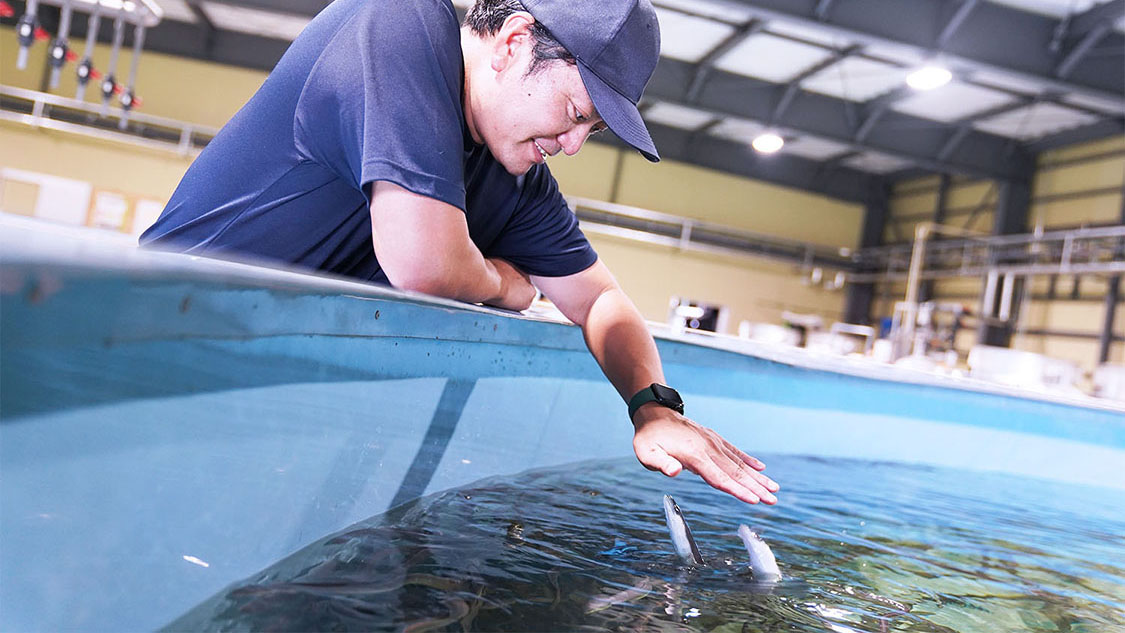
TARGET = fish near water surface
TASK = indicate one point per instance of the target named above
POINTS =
(762, 562)
(682, 539)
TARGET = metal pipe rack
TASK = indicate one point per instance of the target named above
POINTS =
(141, 14)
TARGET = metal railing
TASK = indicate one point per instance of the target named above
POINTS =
(675, 231)
(47, 111)
(1077, 251)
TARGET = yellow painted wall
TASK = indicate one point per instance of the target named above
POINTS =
(1083, 150)
(969, 205)
(754, 290)
(702, 194)
(106, 164)
(1085, 315)
(1082, 177)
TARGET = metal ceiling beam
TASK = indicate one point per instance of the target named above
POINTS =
(874, 109)
(903, 136)
(704, 150)
(1081, 49)
(992, 38)
(822, 9)
(1086, 30)
(1107, 128)
(1087, 21)
(703, 69)
(208, 27)
(955, 21)
(794, 86)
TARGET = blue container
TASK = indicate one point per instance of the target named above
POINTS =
(170, 424)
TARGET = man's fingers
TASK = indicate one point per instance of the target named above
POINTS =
(753, 462)
(733, 462)
(752, 480)
(720, 480)
(748, 468)
(749, 460)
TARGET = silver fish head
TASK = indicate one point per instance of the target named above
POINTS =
(678, 528)
(762, 562)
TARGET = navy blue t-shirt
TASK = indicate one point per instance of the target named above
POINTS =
(371, 90)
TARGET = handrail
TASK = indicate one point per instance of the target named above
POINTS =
(1095, 250)
(675, 231)
(190, 138)
(1099, 250)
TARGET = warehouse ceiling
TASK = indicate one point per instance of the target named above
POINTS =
(828, 76)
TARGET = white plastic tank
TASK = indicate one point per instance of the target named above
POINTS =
(1018, 368)
(769, 333)
(1109, 382)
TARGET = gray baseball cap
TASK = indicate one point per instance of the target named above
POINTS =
(617, 46)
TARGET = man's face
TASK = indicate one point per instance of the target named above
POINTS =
(521, 117)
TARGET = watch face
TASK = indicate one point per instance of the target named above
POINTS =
(668, 397)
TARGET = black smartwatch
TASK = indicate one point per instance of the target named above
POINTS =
(663, 395)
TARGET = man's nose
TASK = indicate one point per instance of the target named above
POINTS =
(572, 141)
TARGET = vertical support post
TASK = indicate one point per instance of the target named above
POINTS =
(1112, 297)
(1013, 206)
(857, 307)
(927, 291)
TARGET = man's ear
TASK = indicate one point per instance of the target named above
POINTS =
(510, 40)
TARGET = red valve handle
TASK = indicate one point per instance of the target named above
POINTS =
(41, 34)
(6, 10)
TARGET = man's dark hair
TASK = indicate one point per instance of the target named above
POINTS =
(487, 16)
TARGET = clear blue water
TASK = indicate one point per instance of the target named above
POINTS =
(862, 546)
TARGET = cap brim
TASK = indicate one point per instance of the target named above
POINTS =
(619, 113)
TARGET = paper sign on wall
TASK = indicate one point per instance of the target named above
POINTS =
(109, 210)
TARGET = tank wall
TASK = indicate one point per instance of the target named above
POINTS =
(169, 425)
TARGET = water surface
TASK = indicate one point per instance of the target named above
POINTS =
(862, 546)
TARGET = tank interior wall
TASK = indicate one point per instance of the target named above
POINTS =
(163, 434)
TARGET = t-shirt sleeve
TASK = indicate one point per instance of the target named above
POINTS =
(542, 236)
(383, 101)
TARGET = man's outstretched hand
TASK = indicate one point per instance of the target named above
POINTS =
(669, 442)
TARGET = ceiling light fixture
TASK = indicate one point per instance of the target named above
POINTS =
(928, 78)
(768, 143)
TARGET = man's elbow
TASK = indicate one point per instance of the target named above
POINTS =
(429, 282)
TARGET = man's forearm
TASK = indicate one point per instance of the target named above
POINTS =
(465, 276)
(621, 343)
(424, 245)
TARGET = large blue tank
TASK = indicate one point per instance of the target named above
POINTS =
(170, 424)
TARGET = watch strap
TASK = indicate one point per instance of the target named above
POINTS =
(650, 394)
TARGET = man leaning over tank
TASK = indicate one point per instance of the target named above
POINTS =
(393, 145)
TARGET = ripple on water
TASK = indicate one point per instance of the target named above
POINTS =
(862, 546)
